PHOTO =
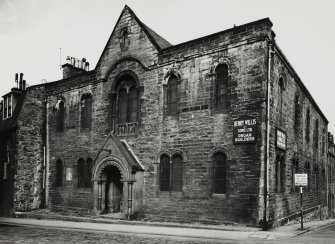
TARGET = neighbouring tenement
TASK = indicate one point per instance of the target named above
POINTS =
(210, 130)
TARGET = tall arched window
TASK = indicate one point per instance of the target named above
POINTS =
(59, 173)
(316, 133)
(125, 104)
(280, 174)
(165, 173)
(171, 173)
(308, 125)
(221, 86)
(128, 100)
(60, 117)
(86, 111)
(84, 173)
(280, 98)
(172, 95)
(220, 173)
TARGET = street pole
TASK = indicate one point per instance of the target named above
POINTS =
(301, 212)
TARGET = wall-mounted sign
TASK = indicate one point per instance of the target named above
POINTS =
(300, 180)
(244, 130)
(281, 139)
(68, 173)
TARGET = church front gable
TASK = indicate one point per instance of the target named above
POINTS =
(130, 38)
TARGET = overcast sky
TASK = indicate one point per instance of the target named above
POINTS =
(33, 31)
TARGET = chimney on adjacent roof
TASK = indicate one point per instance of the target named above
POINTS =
(21, 81)
(74, 66)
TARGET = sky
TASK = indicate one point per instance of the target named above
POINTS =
(37, 35)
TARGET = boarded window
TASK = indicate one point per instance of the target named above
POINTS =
(165, 173)
(221, 89)
(60, 116)
(59, 173)
(172, 96)
(177, 173)
(220, 173)
(86, 112)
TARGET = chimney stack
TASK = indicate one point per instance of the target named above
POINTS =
(21, 81)
(17, 80)
(23, 84)
(74, 66)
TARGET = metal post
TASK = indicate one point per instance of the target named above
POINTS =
(302, 220)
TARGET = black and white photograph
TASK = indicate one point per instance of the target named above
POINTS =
(155, 121)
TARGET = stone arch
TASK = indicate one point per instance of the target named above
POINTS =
(160, 154)
(124, 59)
(217, 150)
(179, 152)
(172, 72)
(99, 167)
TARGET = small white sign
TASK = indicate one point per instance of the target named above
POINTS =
(301, 179)
(68, 173)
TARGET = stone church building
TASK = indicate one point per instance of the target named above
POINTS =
(210, 130)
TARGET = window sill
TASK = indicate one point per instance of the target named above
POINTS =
(220, 195)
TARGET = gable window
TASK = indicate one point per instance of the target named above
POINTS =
(59, 173)
(60, 116)
(219, 173)
(171, 173)
(86, 111)
(221, 86)
(84, 173)
(172, 95)
(124, 39)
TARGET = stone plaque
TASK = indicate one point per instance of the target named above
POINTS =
(244, 130)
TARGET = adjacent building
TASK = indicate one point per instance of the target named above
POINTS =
(210, 130)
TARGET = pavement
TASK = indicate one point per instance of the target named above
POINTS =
(200, 231)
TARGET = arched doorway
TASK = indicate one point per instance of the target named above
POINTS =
(113, 194)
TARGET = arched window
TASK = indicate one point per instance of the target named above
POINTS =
(60, 118)
(172, 95)
(316, 134)
(280, 174)
(221, 86)
(128, 100)
(308, 171)
(316, 176)
(177, 173)
(280, 97)
(220, 173)
(59, 173)
(297, 112)
(308, 125)
(84, 173)
(86, 112)
(165, 173)
(171, 173)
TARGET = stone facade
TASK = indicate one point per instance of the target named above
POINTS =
(132, 129)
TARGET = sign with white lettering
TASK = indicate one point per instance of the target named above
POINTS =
(244, 130)
(281, 139)
(300, 179)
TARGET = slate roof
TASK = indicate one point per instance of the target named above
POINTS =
(161, 42)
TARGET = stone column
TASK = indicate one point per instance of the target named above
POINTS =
(95, 197)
